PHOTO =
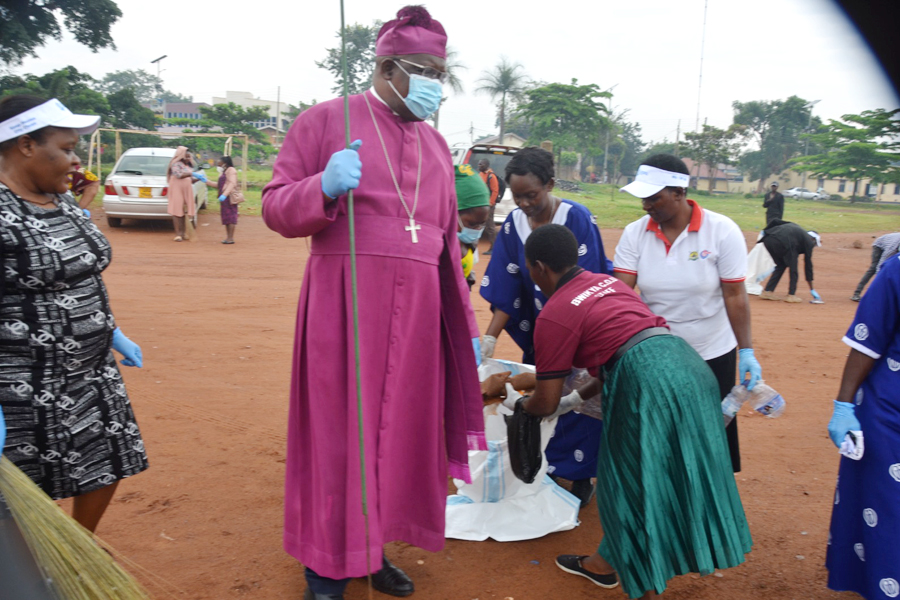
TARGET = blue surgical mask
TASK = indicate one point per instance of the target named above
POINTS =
(468, 235)
(424, 96)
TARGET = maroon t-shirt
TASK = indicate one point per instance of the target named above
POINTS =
(585, 321)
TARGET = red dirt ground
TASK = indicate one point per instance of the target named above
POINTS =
(216, 326)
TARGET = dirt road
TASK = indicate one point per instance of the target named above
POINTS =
(216, 326)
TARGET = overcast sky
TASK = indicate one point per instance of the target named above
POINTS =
(649, 49)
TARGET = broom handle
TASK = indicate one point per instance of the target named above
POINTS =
(355, 296)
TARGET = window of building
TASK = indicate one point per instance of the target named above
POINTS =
(842, 185)
(896, 188)
(821, 183)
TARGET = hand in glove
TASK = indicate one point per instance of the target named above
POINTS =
(128, 349)
(749, 363)
(200, 175)
(86, 212)
(476, 345)
(842, 421)
(223, 198)
(567, 403)
(487, 346)
(2, 431)
(342, 172)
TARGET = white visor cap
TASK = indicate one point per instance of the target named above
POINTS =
(51, 113)
(650, 180)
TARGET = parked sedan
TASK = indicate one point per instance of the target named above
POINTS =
(137, 187)
(805, 194)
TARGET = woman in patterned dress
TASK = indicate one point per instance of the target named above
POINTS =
(70, 426)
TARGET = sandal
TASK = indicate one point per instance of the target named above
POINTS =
(178, 238)
(227, 241)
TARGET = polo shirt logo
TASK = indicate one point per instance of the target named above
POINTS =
(705, 254)
(890, 587)
(893, 365)
(861, 332)
(693, 255)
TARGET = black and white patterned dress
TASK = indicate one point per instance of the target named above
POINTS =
(70, 426)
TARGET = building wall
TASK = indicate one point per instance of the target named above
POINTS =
(247, 100)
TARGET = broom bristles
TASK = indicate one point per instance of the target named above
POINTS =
(65, 551)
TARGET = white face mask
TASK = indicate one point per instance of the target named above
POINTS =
(220, 170)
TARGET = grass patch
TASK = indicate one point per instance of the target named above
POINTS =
(615, 210)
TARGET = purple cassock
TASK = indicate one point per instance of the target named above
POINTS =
(421, 396)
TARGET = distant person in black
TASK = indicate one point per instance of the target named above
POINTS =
(774, 204)
(785, 242)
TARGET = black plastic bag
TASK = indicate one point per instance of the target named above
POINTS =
(523, 432)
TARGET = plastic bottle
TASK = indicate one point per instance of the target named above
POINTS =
(735, 399)
(766, 401)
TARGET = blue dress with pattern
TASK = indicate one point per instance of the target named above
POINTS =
(507, 285)
(863, 551)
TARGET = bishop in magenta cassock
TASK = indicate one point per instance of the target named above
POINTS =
(420, 391)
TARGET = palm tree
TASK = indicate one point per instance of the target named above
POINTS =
(507, 80)
(453, 66)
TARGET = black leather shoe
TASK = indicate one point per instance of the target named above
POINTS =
(310, 595)
(392, 581)
(583, 489)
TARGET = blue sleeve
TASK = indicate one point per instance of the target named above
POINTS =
(876, 325)
(502, 283)
(591, 256)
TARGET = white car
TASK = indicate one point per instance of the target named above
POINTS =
(137, 187)
(499, 157)
(798, 192)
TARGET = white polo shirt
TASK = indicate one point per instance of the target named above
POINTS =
(683, 282)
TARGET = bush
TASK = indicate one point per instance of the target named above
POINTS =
(836, 198)
(568, 159)
(750, 195)
(702, 193)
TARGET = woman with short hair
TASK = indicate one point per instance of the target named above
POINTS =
(516, 302)
(70, 426)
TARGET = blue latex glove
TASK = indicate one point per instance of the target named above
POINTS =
(86, 212)
(842, 421)
(223, 198)
(476, 345)
(201, 176)
(815, 294)
(748, 362)
(342, 172)
(128, 349)
(2, 431)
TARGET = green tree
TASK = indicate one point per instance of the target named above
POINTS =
(360, 58)
(146, 86)
(633, 149)
(227, 118)
(126, 112)
(856, 147)
(569, 115)
(506, 81)
(26, 25)
(454, 67)
(774, 128)
(71, 87)
(712, 147)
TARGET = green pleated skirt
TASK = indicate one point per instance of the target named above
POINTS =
(668, 501)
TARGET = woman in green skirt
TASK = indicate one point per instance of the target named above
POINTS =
(668, 501)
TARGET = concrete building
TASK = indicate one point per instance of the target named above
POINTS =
(247, 100)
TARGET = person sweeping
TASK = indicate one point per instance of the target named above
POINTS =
(415, 318)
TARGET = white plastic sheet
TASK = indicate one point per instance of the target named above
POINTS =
(759, 266)
(496, 504)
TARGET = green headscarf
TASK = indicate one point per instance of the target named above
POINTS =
(470, 189)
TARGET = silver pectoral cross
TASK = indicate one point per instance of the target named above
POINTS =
(411, 228)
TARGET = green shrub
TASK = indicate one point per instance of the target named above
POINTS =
(750, 195)
(702, 193)
(568, 159)
(836, 198)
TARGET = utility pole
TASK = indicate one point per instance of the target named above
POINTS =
(471, 132)
(677, 137)
(608, 129)
(159, 87)
(278, 115)
(808, 127)
(700, 84)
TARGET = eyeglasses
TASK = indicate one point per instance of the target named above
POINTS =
(427, 72)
